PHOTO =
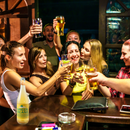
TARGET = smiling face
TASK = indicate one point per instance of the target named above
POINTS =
(73, 36)
(48, 33)
(74, 53)
(18, 58)
(41, 60)
(86, 51)
(125, 54)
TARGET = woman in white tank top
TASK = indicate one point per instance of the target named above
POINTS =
(13, 58)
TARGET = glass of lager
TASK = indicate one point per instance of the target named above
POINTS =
(90, 73)
(65, 61)
(60, 25)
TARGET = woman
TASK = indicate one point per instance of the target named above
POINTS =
(41, 69)
(5, 111)
(77, 83)
(13, 58)
(93, 48)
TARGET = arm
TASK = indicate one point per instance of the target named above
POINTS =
(34, 29)
(3, 102)
(104, 91)
(121, 85)
(12, 81)
(66, 89)
(87, 93)
(57, 40)
(37, 82)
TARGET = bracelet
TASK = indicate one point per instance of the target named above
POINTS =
(70, 84)
(54, 32)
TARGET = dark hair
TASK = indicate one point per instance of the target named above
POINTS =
(8, 49)
(33, 55)
(70, 42)
(48, 24)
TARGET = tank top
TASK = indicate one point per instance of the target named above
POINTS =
(10, 96)
(44, 79)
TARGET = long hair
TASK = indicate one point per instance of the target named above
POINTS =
(8, 49)
(96, 53)
(33, 55)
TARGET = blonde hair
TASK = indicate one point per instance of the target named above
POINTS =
(96, 53)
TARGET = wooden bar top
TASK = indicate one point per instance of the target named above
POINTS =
(47, 109)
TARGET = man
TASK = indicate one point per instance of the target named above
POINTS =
(47, 44)
(122, 82)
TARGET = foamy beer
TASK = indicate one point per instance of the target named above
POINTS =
(60, 25)
(93, 85)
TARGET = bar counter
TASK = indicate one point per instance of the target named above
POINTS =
(47, 109)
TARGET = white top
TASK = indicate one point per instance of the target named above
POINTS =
(11, 96)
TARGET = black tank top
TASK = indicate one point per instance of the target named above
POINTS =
(44, 79)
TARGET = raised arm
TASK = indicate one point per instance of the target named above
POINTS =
(57, 40)
(34, 29)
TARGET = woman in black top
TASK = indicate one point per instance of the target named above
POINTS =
(41, 70)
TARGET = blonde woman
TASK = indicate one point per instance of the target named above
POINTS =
(93, 48)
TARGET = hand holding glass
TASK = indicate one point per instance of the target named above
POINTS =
(79, 75)
(39, 22)
(80, 67)
(66, 61)
(90, 71)
(60, 25)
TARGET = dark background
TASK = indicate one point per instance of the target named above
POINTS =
(80, 15)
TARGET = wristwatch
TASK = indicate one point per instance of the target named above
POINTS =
(54, 32)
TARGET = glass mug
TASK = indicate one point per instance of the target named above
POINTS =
(39, 22)
(60, 25)
(65, 61)
(90, 73)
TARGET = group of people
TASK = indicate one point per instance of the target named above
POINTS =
(47, 73)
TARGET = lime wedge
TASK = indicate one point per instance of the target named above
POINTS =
(65, 61)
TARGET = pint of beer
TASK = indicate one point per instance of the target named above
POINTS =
(65, 61)
(60, 25)
(93, 85)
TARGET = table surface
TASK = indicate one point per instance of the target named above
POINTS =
(47, 109)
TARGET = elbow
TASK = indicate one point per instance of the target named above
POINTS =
(38, 94)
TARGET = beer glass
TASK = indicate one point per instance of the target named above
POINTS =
(65, 61)
(60, 25)
(90, 73)
(39, 22)
(80, 68)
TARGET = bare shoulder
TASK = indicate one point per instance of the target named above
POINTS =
(12, 80)
(35, 80)
(10, 75)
